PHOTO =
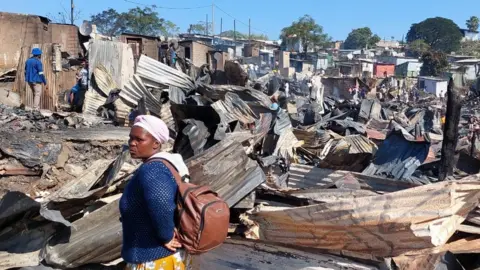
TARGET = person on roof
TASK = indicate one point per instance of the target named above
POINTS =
(34, 76)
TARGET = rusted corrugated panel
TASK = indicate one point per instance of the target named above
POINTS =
(116, 57)
(227, 169)
(49, 97)
(304, 176)
(384, 225)
(245, 254)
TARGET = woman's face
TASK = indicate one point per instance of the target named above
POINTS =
(142, 144)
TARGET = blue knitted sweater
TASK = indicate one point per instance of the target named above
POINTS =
(147, 210)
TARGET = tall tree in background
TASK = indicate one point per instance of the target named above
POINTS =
(417, 48)
(239, 35)
(439, 33)
(361, 38)
(200, 28)
(109, 22)
(472, 23)
(307, 31)
(434, 63)
(142, 21)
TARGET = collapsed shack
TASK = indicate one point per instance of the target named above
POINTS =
(313, 178)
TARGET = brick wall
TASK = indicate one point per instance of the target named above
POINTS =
(200, 54)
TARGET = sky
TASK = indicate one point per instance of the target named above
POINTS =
(386, 18)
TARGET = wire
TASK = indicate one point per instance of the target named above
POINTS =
(246, 24)
(160, 7)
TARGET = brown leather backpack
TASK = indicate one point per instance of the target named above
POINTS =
(203, 217)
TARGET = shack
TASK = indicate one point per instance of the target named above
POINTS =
(141, 44)
(382, 69)
(435, 85)
(199, 53)
(19, 30)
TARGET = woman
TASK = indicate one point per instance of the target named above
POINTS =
(148, 204)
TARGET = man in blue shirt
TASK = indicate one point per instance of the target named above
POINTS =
(34, 76)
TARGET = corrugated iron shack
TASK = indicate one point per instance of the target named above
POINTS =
(19, 30)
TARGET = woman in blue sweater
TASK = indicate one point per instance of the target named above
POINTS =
(148, 204)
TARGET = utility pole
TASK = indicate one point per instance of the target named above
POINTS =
(235, 38)
(213, 19)
(221, 25)
(71, 12)
(249, 32)
(206, 25)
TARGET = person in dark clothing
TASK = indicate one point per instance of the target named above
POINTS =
(34, 76)
(148, 204)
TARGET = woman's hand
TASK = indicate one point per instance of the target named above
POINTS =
(174, 243)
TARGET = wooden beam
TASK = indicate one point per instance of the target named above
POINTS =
(454, 105)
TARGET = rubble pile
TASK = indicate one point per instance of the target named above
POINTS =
(314, 177)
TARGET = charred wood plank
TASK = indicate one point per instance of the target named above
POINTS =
(450, 137)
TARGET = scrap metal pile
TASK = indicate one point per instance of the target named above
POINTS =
(314, 180)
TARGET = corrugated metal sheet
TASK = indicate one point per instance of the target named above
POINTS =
(93, 100)
(158, 72)
(398, 157)
(227, 169)
(116, 57)
(309, 177)
(360, 144)
(232, 108)
(135, 90)
(104, 80)
(384, 225)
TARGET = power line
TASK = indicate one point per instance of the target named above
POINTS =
(161, 7)
(231, 16)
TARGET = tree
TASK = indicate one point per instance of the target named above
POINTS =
(470, 47)
(64, 17)
(200, 28)
(169, 29)
(142, 21)
(307, 31)
(109, 22)
(472, 23)
(434, 63)
(439, 33)
(361, 38)
(239, 35)
(417, 48)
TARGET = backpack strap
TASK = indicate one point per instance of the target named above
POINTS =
(170, 166)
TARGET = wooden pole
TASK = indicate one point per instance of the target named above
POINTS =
(450, 133)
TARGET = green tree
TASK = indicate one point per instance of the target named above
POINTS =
(307, 31)
(439, 33)
(434, 63)
(109, 22)
(470, 47)
(142, 21)
(472, 23)
(361, 38)
(240, 35)
(169, 29)
(199, 28)
(417, 48)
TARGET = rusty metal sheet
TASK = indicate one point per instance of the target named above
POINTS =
(309, 177)
(384, 225)
(245, 254)
(227, 169)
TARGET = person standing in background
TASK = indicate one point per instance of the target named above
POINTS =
(34, 76)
